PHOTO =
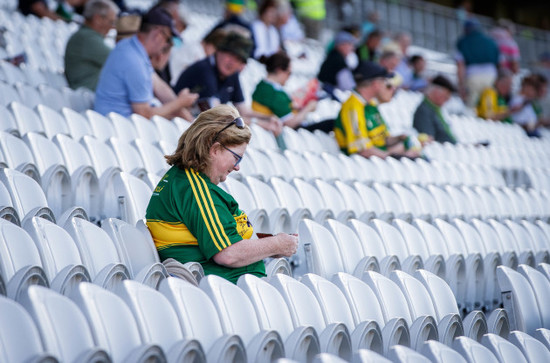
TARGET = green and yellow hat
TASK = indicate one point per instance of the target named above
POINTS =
(235, 6)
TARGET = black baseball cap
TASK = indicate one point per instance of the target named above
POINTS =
(367, 70)
(442, 81)
(159, 16)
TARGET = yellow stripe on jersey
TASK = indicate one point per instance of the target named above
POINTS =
(218, 236)
(168, 234)
(201, 208)
(258, 107)
(217, 218)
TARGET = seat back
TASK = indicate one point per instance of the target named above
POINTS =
(473, 351)
(54, 123)
(370, 239)
(77, 124)
(136, 195)
(441, 294)
(268, 304)
(541, 287)
(195, 311)
(502, 349)
(519, 300)
(63, 327)
(26, 194)
(56, 247)
(325, 254)
(19, 337)
(349, 245)
(393, 239)
(391, 299)
(242, 319)
(110, 319)
(331, 300)
(102, 127)
(304, 308)
(156, 319)
(124, 127)
(96, 248)
(418, 298)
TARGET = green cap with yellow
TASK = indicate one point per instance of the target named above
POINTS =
(235, 6)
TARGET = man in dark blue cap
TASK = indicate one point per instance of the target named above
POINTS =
(359, 127)
(128, 83)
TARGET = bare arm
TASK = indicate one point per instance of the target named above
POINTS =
(296, 120)
(41, 10)
(248, 251)
(162, 90)
(168, 109)
(374, 151)
(270, 123)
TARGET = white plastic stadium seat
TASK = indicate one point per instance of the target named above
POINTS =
(137, 251)
(302, 343)
(98, 253)
(62, 326)
(532, 349)
(60, 257)
(19, 337)
(113, 325)
(158, 323)
(241, 319)
(505, 351)
(199, 320)
(333, 303)
(473, 351)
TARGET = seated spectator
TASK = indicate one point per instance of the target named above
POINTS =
(216, 79)
(359, 127)
(493, 102)
(128, 83)
(503, 34)
(390, 59)
(266, 34)
(270, 98)
(192, 219)
(335, 72)
(418, 81)
(525, 116)
(477, 62)
(234, 21)
(38, 8)
(86, 51)
(403, 68)
(173, 8)
(538, 105)
(287, 24)
(427, 119)
(368, 51)
(193, 51)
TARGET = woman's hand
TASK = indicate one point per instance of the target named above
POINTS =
(288, 244)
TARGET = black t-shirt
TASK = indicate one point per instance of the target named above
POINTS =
(203, 78)
(333, 64)
(24, 6)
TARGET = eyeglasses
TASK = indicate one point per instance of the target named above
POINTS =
(238, 157)
(169, 40)
(239, 122)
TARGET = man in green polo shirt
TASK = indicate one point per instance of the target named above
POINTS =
(86, 51)
(428, 119)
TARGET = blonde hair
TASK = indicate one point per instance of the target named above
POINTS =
(194, 145)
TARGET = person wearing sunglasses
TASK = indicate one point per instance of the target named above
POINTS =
(128, 84)
(359, 127)
(192, 219)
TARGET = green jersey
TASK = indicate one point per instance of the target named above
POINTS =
(192, 219)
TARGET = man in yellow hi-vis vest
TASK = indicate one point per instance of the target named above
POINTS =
(312, 14)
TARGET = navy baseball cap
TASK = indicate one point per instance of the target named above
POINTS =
(367, 70)
(159, 16)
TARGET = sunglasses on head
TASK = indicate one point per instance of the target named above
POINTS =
(239, 122)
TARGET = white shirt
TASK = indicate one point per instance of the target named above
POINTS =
(266, 38)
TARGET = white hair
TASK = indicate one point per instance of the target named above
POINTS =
(99, 7)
